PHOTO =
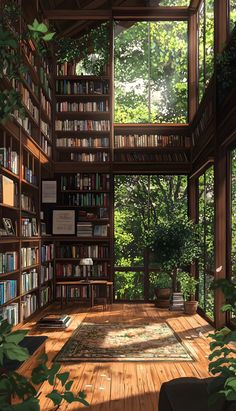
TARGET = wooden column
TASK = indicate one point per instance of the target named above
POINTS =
(221, 26)
(220, 230)
(192, 66)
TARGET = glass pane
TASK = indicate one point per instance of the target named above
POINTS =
(209, 35)
(131, 72)
(201, 51)
(174, 3)
(168, 72)
(129, 285)
(151, 72)
(232, 14)
(233, 217)
(206, 227)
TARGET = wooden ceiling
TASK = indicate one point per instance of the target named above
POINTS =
(74, 17)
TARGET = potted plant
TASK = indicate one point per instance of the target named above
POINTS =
(188, 286)
(175, 244)
(163, 289)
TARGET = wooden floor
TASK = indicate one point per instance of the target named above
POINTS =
(127, 386)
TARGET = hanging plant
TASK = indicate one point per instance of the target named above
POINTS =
(10, 101)
(91, 49)
(39, 33)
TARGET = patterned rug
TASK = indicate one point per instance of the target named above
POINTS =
(123, 342)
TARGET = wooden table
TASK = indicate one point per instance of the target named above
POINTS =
(91, 285)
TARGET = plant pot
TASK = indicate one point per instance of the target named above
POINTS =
(190, 307)
(163, 297)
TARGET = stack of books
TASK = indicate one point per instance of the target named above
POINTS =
(54, 321)
(177, 302)
(84, 229)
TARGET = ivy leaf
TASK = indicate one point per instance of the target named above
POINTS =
(16, 337)
(48, 36)
(15, 352)
(68, 385)
(63, 377)
(55, 397)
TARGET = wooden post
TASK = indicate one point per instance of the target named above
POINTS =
(220, 230)
(192, 67)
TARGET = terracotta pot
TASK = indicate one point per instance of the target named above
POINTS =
(190, 307)
(163, 297)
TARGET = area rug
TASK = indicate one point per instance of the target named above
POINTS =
(123, 342)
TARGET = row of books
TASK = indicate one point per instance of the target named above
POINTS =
(27, 203)
(45, 296)
(93, 142)
(151, 140)
(86, 229)
(72, 292)
(82, 251)
(8, 290)
(44, 82)
(45, 104)
(45, 146)
(29, 175)
(101, 214)
(25, 123)
(175, 157)
(86, 199)
(29, 280)
(100, 157)
(46, 273)
(47, 67)
(29, 305)
(82, 125)
(29, 54)
(45, 129)
(9, 261)
(201, 126)
(9, 159)
(10, 313)
(29, 227)
(88, 106)
(76, 270)
(27, 101)
(47, 253)
(29, 256)
(66, 69)
(83, 181)
(28, 79)
(82, 87)
(9, 191)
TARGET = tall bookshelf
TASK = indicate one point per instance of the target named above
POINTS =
(83, 116)
(23, 155)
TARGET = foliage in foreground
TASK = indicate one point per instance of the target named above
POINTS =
(222, 357)
(14, 385)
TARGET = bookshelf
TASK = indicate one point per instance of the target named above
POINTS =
(25, 151)
(83, 116)
(89, 195)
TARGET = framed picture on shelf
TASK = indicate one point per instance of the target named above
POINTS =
(49, 191)
(63, 222)
(8, 226)
(34, 227)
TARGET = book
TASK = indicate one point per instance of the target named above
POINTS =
(55, 325)
(57, 319)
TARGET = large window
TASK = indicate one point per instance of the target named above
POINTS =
(141, 201)
(205, 45)
(151, 72)
(206, 226)
(233, 215)
(232, 14)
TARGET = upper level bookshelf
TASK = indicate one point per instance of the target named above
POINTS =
(83, 116)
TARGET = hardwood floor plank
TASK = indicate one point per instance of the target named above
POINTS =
(127, 386)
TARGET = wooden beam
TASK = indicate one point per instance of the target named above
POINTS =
(119, 13)
(89, 14)
(194, 5)
(150, 13)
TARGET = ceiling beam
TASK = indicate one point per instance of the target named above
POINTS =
(119, 13)
(78, 14)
